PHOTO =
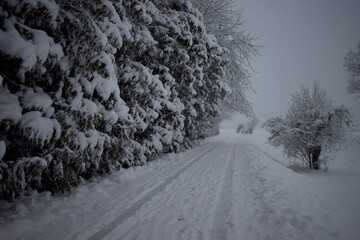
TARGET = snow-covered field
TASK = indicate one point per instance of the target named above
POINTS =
(230, 186)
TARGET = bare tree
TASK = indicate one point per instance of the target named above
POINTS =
(311, 126)
(352, 64)
(226, 22)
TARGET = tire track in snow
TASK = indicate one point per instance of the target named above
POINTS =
(252, 208)
(222, 222)
(137, 205)
(269, 156)
(263, 212)
(185, 209)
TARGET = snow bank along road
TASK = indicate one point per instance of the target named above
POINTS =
(231, 186)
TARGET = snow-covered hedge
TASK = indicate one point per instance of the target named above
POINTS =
(89, 86)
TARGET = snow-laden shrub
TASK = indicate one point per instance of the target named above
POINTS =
(90, 86)
(311, 126)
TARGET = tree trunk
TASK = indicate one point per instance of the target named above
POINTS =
(315, 154)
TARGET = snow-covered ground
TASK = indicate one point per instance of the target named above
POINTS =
(231, 186)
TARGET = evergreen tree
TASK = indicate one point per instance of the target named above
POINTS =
(87, 87)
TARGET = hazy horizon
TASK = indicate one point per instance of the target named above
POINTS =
(304, 41)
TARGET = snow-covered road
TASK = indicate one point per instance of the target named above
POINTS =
(231, 186)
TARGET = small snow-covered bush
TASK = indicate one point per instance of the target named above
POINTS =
(240, 128)
(248, 128)
(311, 126)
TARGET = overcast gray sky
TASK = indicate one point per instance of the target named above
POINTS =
(305, 41)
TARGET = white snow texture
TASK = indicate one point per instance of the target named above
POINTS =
(232, 186)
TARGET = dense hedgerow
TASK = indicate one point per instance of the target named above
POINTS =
(89, 86)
